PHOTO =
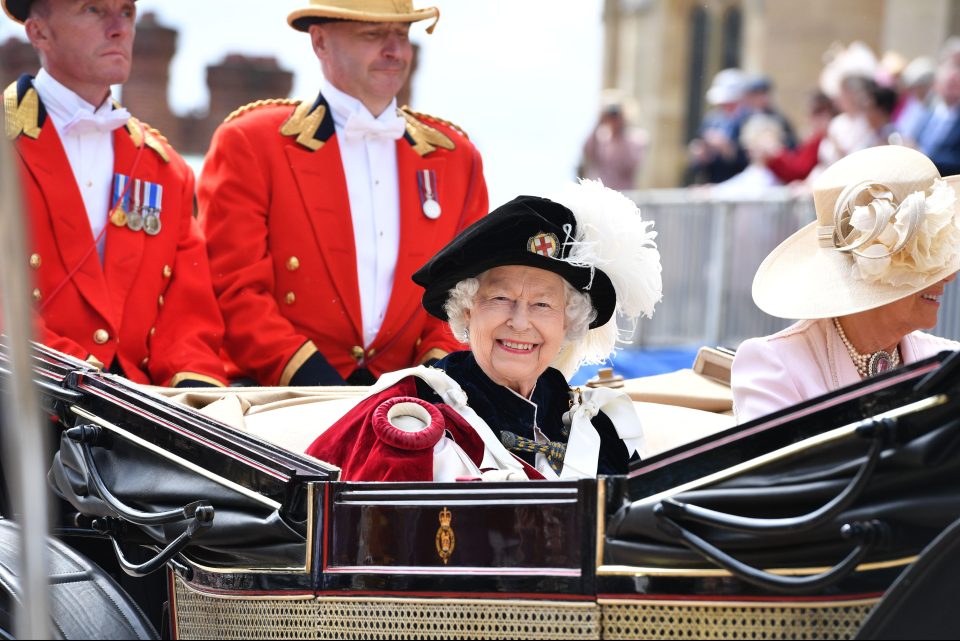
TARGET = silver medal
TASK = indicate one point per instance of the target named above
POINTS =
(134, 221)
(431, 209)
(151, 225)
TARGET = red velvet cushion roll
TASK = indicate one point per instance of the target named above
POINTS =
(423, 439)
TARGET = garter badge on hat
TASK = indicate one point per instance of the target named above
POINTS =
(544, 243)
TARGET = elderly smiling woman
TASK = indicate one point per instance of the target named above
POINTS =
(534, 289)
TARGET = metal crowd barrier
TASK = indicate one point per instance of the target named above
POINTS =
(710, 250)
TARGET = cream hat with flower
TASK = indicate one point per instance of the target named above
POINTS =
(362, 11)
(887, 227)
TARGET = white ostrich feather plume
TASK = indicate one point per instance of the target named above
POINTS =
(611, 236)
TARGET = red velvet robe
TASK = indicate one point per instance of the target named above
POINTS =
(351, 443)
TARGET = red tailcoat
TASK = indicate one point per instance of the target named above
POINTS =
(150, 305)
(275, 209)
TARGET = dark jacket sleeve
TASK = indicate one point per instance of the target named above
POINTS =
(614, 458)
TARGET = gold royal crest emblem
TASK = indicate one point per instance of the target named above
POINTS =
(446, 540)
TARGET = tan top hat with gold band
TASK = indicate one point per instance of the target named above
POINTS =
(18, 10)
(363, 11)
(887, 227)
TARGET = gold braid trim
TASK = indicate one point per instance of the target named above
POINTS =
(257, 104)
(296, 361)
(21, 117)
(142, 133)
(303, 124)
(555, 451)
(433, 352)
(93, 360)
(423, 116)
(426, 139)
(193, 376)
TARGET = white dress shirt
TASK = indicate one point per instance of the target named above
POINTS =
(90, 152)
(370, 165)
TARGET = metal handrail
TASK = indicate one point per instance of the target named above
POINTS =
(22, 434)
(711, 248)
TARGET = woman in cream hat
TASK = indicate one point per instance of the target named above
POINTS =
(866, 275)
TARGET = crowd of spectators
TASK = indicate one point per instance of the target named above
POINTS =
(746, 143)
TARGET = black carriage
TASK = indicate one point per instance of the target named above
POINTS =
(792, 526)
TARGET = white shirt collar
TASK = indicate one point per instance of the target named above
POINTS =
(61, 102)
(343, 105)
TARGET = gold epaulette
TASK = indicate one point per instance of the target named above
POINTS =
(257, 104)
(156, 133)
(423, 116)
(21, 116)
(142, 133)
(425, 138)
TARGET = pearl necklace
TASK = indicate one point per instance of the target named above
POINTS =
(868, 364)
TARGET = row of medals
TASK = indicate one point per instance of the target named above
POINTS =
(148, 221)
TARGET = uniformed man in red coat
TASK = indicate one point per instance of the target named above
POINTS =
(317, 213)
(121, 272)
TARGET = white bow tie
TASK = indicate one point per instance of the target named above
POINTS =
(362, 126)
(85, 122)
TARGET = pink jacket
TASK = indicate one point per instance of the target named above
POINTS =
(803, 361)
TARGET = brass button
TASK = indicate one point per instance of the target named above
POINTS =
(160, 300)
(419, 340)
(167, 271)
(357, 352)
(153, 330)
(37, 295)
(291, 298)
(101, 336)
(371, 352)
(35, 261)
(293, 263)
(145, 361)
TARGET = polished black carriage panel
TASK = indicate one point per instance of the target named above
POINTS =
(177, 428)
(723, 451)
(858, 480)
(462, 537)
(141, 469)
(851, 490)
